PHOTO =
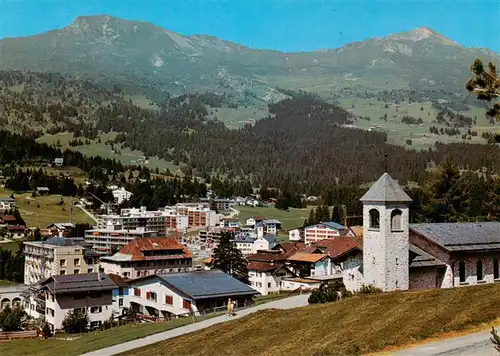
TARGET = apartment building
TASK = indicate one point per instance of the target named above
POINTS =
(176, 222)
(199, 215)
(113, 238)
(324, 230)
(147, 256)
(56, 256)
(53, 298)
(131, 219)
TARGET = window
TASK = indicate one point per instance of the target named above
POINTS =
(186, 304)
(137, 292)
(94, 310)
(396, 220)
(479, 270)
(397, 262)
(89, 270)
(62, 272)
(95, 324)
(269, 285)
(151, 296)
(461, 269)
(62, 263)
(77, 271)
(120, 291)
(77, 262)
(120, 302)
(169, 300)
(495, 269)
(374, 219)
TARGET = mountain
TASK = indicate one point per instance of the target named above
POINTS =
(140, 53)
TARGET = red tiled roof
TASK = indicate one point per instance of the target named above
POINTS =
(118, 280)
(137, 246)
(16, 228)
(307, 257)
(263, 266)
(8, 218)
(267, 256)
(289, 246)
(339, 246)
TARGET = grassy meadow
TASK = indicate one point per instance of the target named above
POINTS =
(353, 326)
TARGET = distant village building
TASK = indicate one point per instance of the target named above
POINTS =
(147, 256)
(120, 195)
(56, 256)
(113, 238)
(7, 204)
(42, 191)
(58, 161)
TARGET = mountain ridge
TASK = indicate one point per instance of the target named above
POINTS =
(138, 52)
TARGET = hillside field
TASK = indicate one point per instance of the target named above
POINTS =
(49, 211)
(290, 219)
(353, 326)
(125, 155)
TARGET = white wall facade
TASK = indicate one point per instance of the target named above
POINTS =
(268, 282)
(319, 232)
(385, 250)
(295, 235)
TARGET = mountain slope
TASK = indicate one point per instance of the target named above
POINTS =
(142, 53)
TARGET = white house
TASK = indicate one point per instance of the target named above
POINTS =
(121, 195)
(296, 234)
(266, 278)
(251, 221)
(56, 296)
(167, 296)
(265, 242)
(271, 226)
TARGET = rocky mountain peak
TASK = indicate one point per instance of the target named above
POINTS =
(422, 33)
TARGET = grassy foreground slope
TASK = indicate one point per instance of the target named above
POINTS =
(350, 327)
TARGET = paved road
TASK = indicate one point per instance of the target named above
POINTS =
(470, 345)
(287, 303)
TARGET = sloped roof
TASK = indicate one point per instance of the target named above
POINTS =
(118, 280)
(289, 246)
(70, 283)
(207, 284)
(61, 241)
(462, 236)
(307, 257)
(9, 218)
(263, 266)
(423, 259)
(136, 247)
(385, 189)
(338, 247)
(357, 230)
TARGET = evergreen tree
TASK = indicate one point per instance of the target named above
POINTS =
(311, 220)
(76, 321)
(229, 259)
(336, 217)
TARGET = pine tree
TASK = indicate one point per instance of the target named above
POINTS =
(336, 217)
(229, 259)
(311, 220)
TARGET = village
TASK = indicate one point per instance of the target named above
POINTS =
(160, 265)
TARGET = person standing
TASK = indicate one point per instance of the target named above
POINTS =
(229, 306)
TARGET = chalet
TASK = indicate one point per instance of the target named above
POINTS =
(60, 229)
(146, 256)
(53, 298)
(296, 234)
(254, 220)
(16, 231)
(230, 223)
(7, 204)
(267, 277)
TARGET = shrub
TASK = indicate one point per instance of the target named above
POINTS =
(46, 332)
(76, 321)
(12, 319)
(368, 289)
(329, 292)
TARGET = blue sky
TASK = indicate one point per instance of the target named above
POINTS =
(288, 25)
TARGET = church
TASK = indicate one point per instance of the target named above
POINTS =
(396, 255)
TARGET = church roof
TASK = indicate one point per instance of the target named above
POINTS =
(385, 189)
(461, 236)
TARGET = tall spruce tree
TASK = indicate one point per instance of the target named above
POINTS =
(229, 259)
(336, 216)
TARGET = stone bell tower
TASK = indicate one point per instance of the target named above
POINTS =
(386, 235)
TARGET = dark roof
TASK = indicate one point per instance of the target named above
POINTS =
(330, 224)
(422, 258)
(462, 236)
(386, 189)
(61, 241)
(207, 284)
(263, 266)
(70, 283)
(10, 218)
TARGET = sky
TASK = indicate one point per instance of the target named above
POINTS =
(286, 25)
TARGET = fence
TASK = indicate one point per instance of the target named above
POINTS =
(26, 334)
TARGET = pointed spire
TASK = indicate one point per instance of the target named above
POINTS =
(384, 190)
